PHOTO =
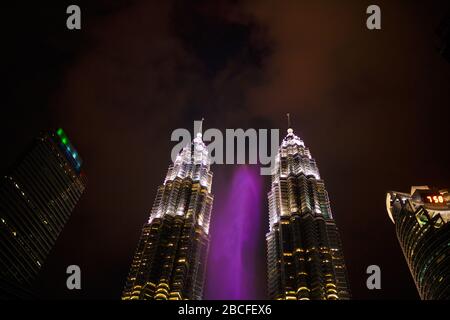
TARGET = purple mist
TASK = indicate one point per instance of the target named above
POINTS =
(237, 243)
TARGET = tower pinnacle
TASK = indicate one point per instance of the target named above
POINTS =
(289, 130)
(200, 128)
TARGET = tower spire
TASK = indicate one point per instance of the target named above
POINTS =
(201, 125)
(289, 130)
(200, 128)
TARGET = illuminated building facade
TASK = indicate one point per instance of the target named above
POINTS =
(304, 251)
(421, 220)
(170, 260)
(37, 198)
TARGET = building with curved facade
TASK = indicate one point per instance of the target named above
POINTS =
(421, 222)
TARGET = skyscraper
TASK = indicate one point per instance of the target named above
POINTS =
(421, 222)
(37, 197)
(170, 260)
(304, 251)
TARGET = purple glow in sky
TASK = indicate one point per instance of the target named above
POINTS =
(237, 244)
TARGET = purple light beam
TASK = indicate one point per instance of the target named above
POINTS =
(236, 244)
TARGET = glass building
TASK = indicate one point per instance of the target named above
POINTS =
(170, 260)
(421, 222)
(37, 197)
(304, 251)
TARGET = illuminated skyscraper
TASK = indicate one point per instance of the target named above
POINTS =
(37, 198)
(170, 260)
(304, 251)
(422, 225)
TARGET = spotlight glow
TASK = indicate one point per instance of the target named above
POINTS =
(232, 265)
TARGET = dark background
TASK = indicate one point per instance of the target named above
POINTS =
(373, 107)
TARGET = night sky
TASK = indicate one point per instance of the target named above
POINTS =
(372, 106)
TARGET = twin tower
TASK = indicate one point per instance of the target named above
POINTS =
(304, 252)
